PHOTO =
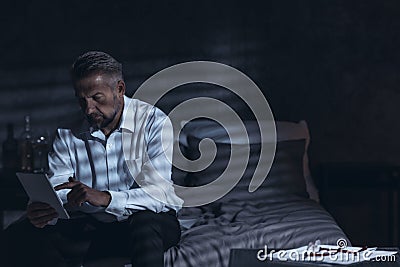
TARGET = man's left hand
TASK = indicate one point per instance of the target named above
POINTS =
(81, 193)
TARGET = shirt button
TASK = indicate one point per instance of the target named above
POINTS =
(109, 146)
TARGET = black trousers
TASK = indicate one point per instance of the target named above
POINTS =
(143, 237)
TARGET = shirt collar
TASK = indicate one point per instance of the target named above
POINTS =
(127, 120)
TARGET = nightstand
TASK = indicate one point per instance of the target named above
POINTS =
(13, 198)
(363, 198)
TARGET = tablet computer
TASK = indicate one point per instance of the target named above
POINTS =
(39, 189)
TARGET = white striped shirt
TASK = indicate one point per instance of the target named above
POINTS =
(113, 164)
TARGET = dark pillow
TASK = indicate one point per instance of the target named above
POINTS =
(285, 180)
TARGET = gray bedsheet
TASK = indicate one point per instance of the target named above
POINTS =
(239, 224)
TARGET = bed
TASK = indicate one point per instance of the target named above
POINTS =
(284, 212)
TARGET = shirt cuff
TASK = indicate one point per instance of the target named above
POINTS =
(117, 204)
(53, 221)
(62, 194)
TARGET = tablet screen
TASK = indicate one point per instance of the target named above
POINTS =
(39, 189)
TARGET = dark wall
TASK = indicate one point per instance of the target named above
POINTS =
(332, 63)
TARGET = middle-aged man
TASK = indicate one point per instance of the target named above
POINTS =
(118, 190)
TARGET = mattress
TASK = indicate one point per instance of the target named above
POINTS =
(240, 224)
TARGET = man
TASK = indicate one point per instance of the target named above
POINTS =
(113, 175)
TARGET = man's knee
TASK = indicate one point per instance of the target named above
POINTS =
(18, 233)
(145, 223)
(155, 228)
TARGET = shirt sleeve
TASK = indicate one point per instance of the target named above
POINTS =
(156, 190)
(60, 166)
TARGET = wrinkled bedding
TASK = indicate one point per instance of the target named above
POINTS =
(240, 224)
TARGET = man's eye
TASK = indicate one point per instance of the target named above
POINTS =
(97, 97)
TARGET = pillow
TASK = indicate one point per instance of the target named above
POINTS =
(296, 131)
(285, 179)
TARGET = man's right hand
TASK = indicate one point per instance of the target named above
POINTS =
(39, 214)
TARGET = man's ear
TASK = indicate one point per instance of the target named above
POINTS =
(121, 88)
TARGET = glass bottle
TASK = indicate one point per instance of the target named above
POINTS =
(25, 147)
(40, 151)
(10, 151)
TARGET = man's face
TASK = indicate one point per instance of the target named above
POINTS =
(101, 99)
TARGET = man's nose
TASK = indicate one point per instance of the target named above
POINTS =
(90, 107)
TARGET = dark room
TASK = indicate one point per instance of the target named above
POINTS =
(199, 133)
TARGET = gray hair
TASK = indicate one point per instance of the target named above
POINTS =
(95, 62)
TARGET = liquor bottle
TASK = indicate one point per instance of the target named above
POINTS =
(25, 147)
(40, 151)
(10, 151)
